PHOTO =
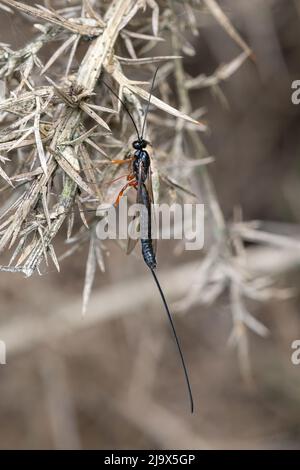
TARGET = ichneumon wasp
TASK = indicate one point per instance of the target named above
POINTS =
(138, 178)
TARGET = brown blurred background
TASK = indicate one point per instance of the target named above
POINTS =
(112, 379)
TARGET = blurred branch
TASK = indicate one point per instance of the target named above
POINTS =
(224, 21)
(162, 426)
(59, 404)
(24, 334)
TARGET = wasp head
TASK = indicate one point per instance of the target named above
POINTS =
(139, 144)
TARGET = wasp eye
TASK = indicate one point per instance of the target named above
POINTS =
(136, 144)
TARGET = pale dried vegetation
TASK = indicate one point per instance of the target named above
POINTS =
(60, 127)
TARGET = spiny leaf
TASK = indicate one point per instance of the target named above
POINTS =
(6, 177)
(90, 272)
(85, 107)
(224, 21)
(38, 140)
(73, 174)
(58, 53)
(52, 17)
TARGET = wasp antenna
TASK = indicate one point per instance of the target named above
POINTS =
(176, 340)
(148, 103)
(125, 107)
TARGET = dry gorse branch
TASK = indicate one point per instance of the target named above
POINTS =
(53, 131)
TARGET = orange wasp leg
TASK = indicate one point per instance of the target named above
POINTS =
(118, 178)
(121, 162)
(129, 177)
(132, 184)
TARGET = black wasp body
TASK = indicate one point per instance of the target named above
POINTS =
(141, 168)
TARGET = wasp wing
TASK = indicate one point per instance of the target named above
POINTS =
(154, 229)
(134, 226)
(145, 198)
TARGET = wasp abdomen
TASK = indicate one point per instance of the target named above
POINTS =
(148, 253)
